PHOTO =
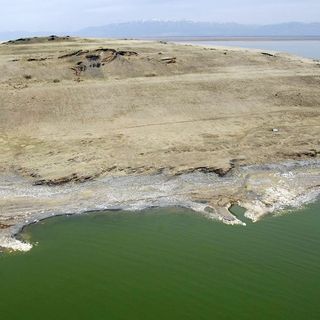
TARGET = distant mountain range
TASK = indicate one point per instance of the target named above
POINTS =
(188, 28)
(151, 29)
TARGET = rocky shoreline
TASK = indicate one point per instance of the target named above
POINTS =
(261, 190)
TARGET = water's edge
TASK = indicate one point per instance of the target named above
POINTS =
(261, 190)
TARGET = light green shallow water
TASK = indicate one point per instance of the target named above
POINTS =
(165, 264)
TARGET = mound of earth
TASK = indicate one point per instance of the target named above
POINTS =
(34, 40)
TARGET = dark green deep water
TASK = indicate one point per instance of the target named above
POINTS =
(165, 264)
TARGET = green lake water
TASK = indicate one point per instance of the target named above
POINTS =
(165, 264)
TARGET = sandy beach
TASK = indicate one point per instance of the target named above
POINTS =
(89, 124)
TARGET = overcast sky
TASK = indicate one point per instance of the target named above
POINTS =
(71, 15)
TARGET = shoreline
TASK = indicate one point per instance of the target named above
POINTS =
(261, 190)
(239, 38)
(272, 53)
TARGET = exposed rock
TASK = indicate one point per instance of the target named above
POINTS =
(306, 154)
(221, 172)
(109, 56)
(93, 57)
(64, 180)
(52, 38)
(20, 40)
(169, 60)
(96, 58)
(268, 54)
(74, 53)
(38, 40)
(36, 59)
(127, 53)
(106, 50)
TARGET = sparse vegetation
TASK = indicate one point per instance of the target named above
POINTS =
(194, 108)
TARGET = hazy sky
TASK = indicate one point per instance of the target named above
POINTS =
(70, 15)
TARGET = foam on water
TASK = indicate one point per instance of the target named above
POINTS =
(14, 244)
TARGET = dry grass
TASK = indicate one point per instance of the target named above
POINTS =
(138, 113)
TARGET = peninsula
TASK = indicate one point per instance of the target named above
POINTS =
(92, 124)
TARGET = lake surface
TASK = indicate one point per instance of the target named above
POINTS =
(304, 48)
(165, 264)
